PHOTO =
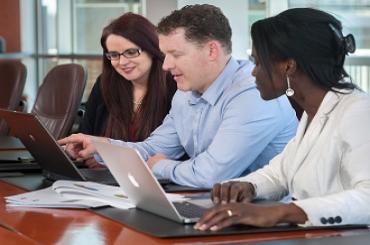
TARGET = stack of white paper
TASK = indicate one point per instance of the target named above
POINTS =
(72, 194)
(48, 198)
(77, 194)
(86, 190)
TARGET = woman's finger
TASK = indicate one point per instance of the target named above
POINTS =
(235, 192)
(215, 194)
(215, 219)
(225, 223)
(225, 192)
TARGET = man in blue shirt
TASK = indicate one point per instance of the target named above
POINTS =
(217, 116)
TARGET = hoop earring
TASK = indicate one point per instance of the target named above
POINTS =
(289, 91)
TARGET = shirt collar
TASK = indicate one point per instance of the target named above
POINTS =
(218, 86)
(330, 101)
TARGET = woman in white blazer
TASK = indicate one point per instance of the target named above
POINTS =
(326, 167)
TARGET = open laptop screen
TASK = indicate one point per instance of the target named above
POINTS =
(47, 152)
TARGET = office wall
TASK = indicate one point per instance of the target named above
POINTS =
(10, 24)
(155, 10)
(237, 13)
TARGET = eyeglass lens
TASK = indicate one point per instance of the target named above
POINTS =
(128, 53)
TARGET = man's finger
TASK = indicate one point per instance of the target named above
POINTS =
(73, 138)
(87, 153)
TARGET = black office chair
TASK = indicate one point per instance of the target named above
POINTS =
(58, 98)
(12, 80)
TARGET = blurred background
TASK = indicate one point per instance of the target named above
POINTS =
(44, 33)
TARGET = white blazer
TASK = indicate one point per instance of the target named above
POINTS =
(326, 167)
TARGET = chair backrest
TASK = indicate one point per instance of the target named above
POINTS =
(58, 98)
(2, 45)
(12, 80)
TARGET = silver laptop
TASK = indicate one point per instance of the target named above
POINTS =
(136, 179)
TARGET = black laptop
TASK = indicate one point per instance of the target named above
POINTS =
(15, 157)
(54, 161)
(47, 152)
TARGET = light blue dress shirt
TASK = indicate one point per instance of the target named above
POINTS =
(227, 131)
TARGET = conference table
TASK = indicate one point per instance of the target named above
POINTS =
(20, 225)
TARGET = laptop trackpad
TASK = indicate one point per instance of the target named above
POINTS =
(201, 199)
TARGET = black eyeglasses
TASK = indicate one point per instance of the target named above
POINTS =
(128, 53)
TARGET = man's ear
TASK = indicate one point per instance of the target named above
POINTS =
(291, 67)
(214, 49)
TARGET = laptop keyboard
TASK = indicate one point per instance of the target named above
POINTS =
(189, 210)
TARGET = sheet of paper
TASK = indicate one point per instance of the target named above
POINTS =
(78, 194)
(110, 195)
(48, 198)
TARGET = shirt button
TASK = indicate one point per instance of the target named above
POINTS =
(331, 220)
(338, 219)
(323, 221)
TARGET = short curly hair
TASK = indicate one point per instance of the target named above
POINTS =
(202, 22)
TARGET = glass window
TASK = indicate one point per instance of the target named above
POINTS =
(256, 11)
(355, 18)
(90, 16)
(48, 27)
(354, 15)
(69, 30)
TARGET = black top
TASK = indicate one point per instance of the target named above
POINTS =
(95, 118)
(96, 115)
